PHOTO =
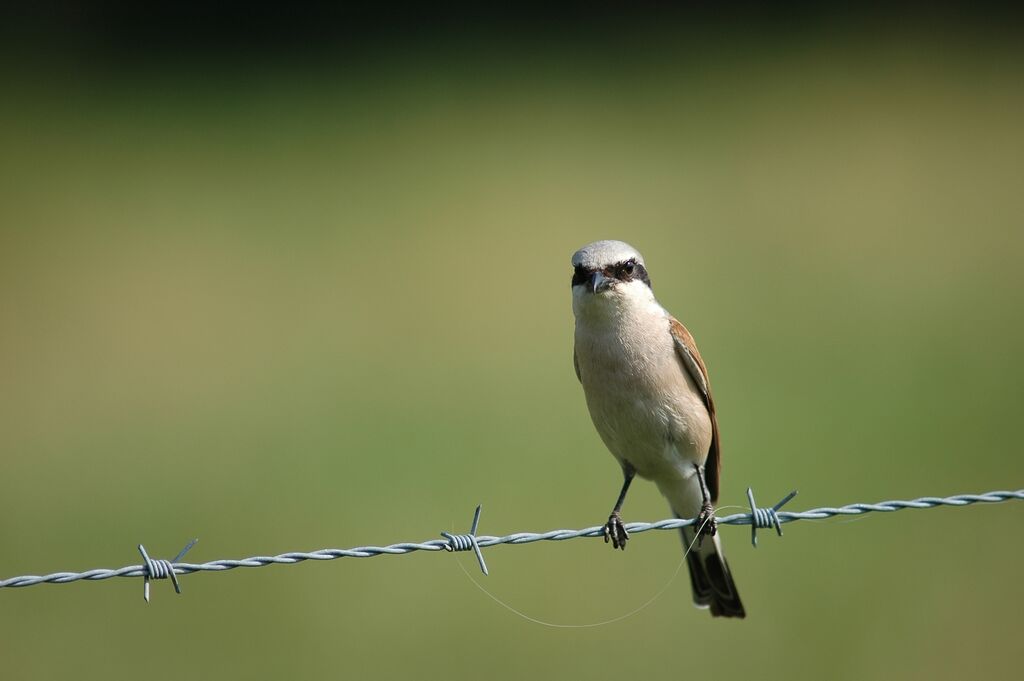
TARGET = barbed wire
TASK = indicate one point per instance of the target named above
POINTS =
(758, 518)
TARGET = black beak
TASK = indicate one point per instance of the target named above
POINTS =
(598, 282)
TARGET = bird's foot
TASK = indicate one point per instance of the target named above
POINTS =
(707, 525)
(616, 532)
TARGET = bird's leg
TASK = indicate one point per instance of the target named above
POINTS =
(706, 523)
(615, 530)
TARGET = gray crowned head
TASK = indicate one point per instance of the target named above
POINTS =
(605, 265)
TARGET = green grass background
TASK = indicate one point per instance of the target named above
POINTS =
(284, 308)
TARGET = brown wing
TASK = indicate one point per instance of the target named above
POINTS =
(686, 348)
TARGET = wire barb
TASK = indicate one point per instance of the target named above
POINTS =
(765, 518)
(465, 542)
(161, 569)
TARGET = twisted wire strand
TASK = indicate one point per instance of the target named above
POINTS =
(482, 541)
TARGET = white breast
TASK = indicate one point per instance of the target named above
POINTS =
(644, 405)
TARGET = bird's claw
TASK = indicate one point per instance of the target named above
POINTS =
(707, 524)
(615, 531)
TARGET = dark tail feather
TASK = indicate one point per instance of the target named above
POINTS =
(713, 586)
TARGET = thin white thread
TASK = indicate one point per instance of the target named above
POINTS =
(556, 625)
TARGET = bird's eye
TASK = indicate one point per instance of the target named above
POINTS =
(628, 268)
(579, 275)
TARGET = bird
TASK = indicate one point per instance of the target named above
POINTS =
(648, 394)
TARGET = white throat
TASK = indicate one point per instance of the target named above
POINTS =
(626, 302)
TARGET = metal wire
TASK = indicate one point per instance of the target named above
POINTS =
(764, 518)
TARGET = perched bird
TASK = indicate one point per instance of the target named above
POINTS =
(648, 394)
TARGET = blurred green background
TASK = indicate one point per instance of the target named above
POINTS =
(288, 300)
